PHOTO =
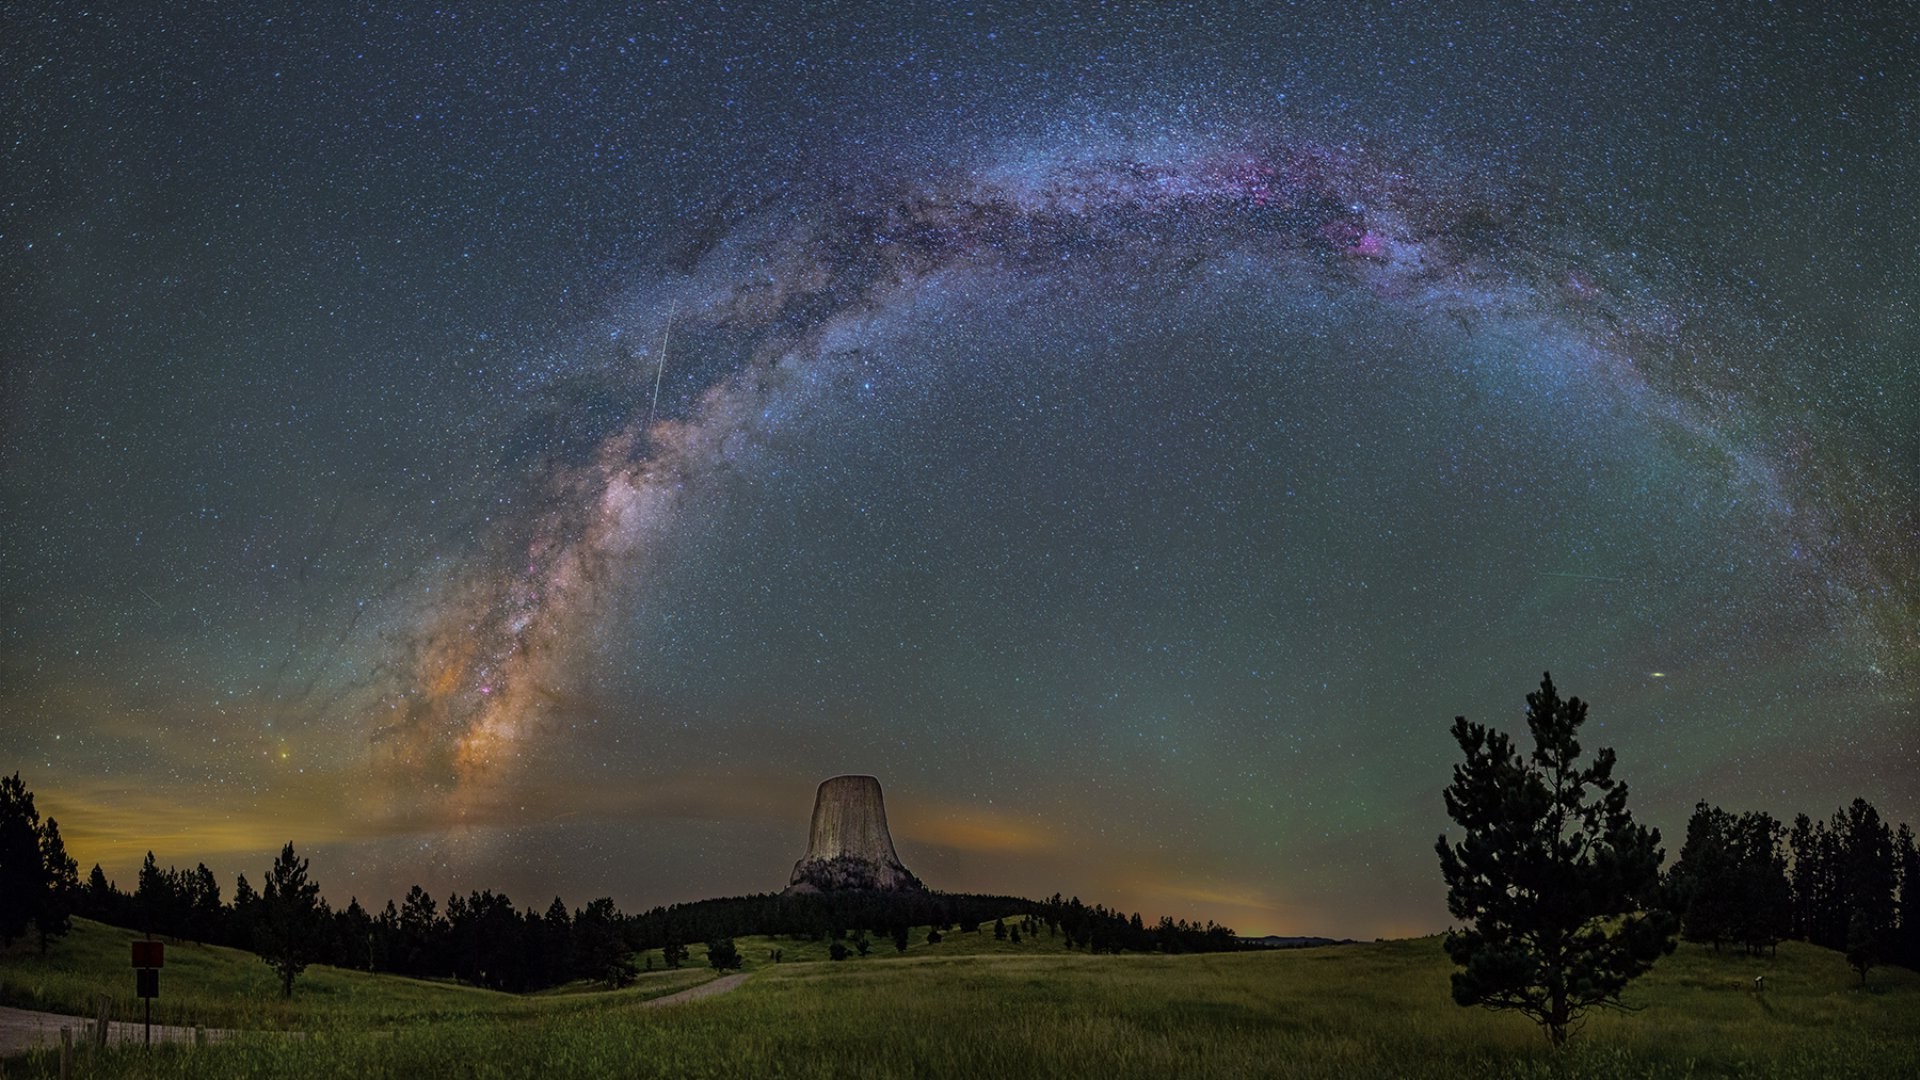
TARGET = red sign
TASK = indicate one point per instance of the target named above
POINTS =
(147, 954)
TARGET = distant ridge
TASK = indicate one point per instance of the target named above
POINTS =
(1275, 941)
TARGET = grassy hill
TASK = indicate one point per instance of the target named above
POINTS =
(221, 987)
(972, 1007)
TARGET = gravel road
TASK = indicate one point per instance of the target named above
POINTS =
(22, 1030)
(706, 989)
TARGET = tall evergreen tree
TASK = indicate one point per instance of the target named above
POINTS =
(723, 954)
(556, 943)
(1762, 897)
(205, 918)
(386, 939)
(1807, 875)
(101, 899)
(1702, 878)
(153, 898)
(290, 915)
(353, 937)
(421, 930)
(1906, 856)
(1730, 883)
(599, 945)
(246, 914)
(60, 885)
(1868, 873)
(672, 953)
(1554, 884)
(1863, 945)
(23, 879)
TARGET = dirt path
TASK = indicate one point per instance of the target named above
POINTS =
(706, 989)
(22, 1030)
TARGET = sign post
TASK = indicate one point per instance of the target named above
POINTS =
(148, 958)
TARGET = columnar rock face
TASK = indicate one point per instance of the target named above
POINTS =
(848, 846)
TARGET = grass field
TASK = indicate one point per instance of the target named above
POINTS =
(973, 1007)
(231, 988)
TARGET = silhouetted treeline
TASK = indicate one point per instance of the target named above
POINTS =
(1851, 883)
(39, 883)
(1100, 930)
(824, 916)
(482, 938)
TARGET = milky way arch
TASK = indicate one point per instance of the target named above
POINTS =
(489, 659)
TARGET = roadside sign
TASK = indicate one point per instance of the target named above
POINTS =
(148, 958)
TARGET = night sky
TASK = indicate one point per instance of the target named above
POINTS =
(530, 449)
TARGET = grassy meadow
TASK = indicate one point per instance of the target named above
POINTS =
(231, 988)
(972, 1007)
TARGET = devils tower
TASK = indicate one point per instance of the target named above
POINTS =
(848, 846)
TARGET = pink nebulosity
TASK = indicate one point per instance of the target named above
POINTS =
(1351, 238)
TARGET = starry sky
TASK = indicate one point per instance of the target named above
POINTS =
(530, 446)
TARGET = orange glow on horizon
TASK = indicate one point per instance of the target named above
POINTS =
(993, 835)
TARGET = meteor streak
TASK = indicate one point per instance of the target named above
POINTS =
(660, 369)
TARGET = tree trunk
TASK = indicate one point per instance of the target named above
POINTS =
(1557, 1020)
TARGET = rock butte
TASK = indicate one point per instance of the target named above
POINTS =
(848, 846)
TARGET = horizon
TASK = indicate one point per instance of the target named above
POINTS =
(528, 899)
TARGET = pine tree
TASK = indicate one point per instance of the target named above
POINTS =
(202, 904)
(1702, 878)
(723, 954)
(1867, 869)
(290, 918)
(22, 874)
(598, 941)
(246, 914)
(1730, 883)
(60, 886)
(1807, 872)
(1863, 946)
(1762, 901)
(39, 882)
(556, 943)
(100, 902)
(673, 953)
(421, 933)
(1908, 857)
(1556, 886)
(153, 898)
